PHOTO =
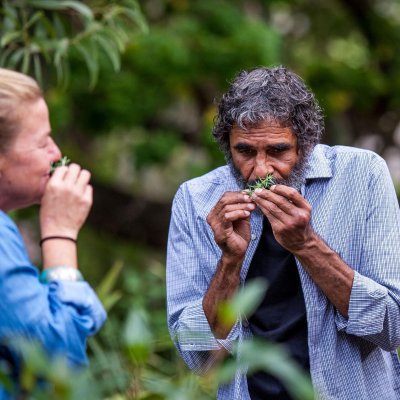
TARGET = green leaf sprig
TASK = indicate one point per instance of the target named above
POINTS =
(60, 163)
(261, 183)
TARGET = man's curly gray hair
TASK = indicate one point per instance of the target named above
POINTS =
(269, 94)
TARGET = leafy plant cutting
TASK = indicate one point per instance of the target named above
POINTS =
(60, 163)
(260, 183)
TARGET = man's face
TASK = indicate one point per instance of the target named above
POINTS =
(267, 148)
(24, 169)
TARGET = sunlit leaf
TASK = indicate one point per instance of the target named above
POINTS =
(89, 54)
(78, 6)
(255, 355)
(110, 50)
(9, 37)
(244, 302)
(137, 336)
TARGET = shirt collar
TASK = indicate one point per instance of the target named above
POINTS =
(319, 164)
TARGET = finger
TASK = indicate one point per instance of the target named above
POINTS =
(231, 198)
(59, 173)
(83, 179)
(271, 210)
(88, 195)
(238, 206)
(279, 201)
(236, 215)
(72, 174)
(290, 193)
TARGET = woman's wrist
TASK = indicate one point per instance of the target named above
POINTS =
(59, 252)
(57, 237)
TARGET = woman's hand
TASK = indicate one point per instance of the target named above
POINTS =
(66, 202)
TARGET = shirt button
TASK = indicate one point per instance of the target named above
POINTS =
(253, 236)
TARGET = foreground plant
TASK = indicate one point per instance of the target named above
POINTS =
(60, 163)
(260, 183)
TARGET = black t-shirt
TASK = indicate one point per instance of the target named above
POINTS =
(281, 317)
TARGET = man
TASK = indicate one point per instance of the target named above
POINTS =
(58, 309)
(325, 237)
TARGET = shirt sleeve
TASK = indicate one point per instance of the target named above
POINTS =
(60, 315)
(374, 308)
(186, 287)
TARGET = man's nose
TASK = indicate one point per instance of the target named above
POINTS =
(262, 167)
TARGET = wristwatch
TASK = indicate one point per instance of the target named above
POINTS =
(60, 273)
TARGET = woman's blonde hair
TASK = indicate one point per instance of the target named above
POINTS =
(16, 90)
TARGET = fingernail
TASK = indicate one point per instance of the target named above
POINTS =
(272, 187)
(259, 190)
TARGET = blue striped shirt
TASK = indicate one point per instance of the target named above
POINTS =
(355, 211)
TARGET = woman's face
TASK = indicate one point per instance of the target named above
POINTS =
(25, 167)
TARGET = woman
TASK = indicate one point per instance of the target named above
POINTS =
(57, 308)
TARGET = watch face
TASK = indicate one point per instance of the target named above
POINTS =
(61, 274)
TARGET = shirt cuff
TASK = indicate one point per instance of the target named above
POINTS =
(194, 332)
(367, 308)
(83, 299)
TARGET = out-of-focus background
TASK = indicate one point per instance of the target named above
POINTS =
(132, 86)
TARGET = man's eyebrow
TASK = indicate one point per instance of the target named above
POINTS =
(279, 146)
(243, 146)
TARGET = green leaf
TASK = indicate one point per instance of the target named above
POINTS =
(110, 49)
(274, 359)
(15, 58)
(35, 17)
(137, 17)
(244, 302)
(108, 282)
(79, 7)
(137, 336)
(3, 57)
(115, 36)
(89, 55)
(62, 70)
(37, 68)
(9, 37)
(26, 61)
(61, 50)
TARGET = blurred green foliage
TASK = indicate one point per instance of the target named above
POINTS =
(145, 127)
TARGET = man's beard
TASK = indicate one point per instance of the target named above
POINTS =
(295, 179)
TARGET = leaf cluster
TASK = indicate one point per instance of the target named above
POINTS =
(261, 183)
(60, 163)
(36, 34)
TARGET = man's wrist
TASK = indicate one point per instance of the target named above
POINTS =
(231, 261)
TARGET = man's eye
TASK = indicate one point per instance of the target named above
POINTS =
(277, 150)
(246, 152)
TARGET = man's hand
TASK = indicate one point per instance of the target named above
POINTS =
(230, 222)
(289, 215)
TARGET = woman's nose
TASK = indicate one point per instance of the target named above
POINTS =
(56, 152)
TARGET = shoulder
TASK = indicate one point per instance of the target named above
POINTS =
(349, 171)
(8, 228)
(346, 158)
(347, 152)
(12, 247)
